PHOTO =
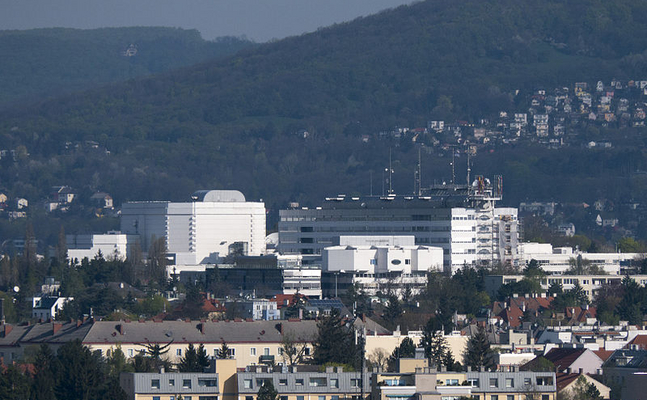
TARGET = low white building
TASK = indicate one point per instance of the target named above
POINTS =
(591, 284)
(112, 245)
(559, 259)
(379, 263)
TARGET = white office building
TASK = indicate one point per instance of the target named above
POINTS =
(382, 263)
(461, 220)
(560, 259)
(215, 224)
(112, 245)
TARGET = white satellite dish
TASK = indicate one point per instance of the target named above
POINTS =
(16, 289)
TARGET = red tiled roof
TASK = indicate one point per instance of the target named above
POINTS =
(563, 380)
(603, 354)
(563, 358)
(640, 341)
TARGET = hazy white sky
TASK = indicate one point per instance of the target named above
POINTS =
(259, 20)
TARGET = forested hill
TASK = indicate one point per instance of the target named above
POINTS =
(47, 62)
(240, 122)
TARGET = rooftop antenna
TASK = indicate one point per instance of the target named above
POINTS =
(371, 178)
(390, 174)
(453, 168)
(469, 169)
(419, 181)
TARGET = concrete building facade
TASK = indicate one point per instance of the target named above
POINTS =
(462, 220)
(216, 223)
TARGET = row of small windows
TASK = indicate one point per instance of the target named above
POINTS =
(184, 397)
(312, 382)
(354, 397)
(186, 383)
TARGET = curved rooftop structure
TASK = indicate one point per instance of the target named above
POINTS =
(218, 196)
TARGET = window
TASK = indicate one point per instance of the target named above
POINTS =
(178, 352)
(186, 383)
(156, 398)
(321, 398)
(300, 398)
(283, 398)
(207, 382)
(334, 397)
(172, 398)
(373, 261)
(474, 382)
(247, 384)
(355, 383)
(186, 397)
(494, 397)
(527, 381)
(510, 397)
(298, 382)
(171, 382)
(266, 351)
(494, 382)
(280, 351)
(407, 261)
(545, 397)
(252, 351)
(155, 383)
(544, 380)
(451, 382)
(306, 351)
(249, 397)
(131, 353)
(509, 382)
(283, 381)
(318, 382)
(232, 352)
(334, 383)
(205, 398)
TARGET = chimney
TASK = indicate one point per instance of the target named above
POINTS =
(78, 323)
(201, 327)
(120, 328)
(279, 327)
(7, 329)
(56, 326)
(581, 371)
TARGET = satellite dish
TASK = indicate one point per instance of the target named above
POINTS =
(16, 289)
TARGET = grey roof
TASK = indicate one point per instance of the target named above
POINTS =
(192, 331)
(46, 303)
(44, 332)
(14, 336)
(372, 327)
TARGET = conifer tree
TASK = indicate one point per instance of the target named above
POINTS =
(267, 391)
(478, 353)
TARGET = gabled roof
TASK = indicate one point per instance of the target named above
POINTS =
(603, 354)
(563, 380)
(563, 358)
(65, 332)
(199, 331)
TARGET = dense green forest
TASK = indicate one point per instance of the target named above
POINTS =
(240, 122)
(50, 62)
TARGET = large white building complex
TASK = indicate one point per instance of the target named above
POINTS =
(382, 263)
(215, 224)
(462, 220)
